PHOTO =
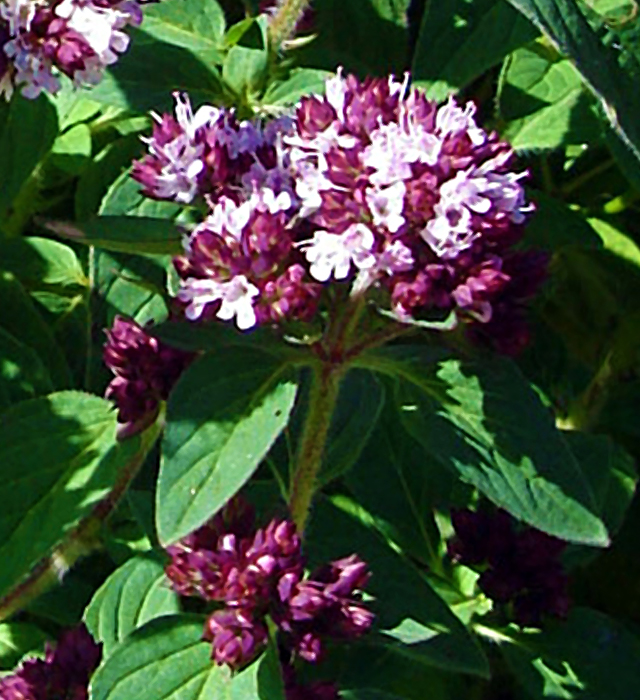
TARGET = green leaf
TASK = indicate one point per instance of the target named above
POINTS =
(125, 234)
(351, 34)
(303, 81)
(611, 473)
(368, 694)
(245, 66)
(460, 40)
(616, 241)
(18, 639)
(588, 657)
(362, 668)
(129, 285)
(40, 263)
(22, 373)
(27, 137)
(20, 318)
(72, 106)
(359, 405)
(486, 422)
(98, 177)
(134, 594)
(72, 149)
(554, 225)
(197, 25)
(564, 24)
(222, 417)
(545, 102)
(125, 198)
(414, 621)
(59, 458)
(412, 485)
(130, 84)
(166, 658)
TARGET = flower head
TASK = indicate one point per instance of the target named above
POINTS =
(370, 186)
(77, 38)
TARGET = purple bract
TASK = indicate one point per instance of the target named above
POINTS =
(146, 370)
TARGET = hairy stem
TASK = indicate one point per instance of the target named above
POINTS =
(284, 21)
(81, 540)
(325, 385)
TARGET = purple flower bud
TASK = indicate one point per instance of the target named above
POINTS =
(236, 635)
(327, 605)
(262, 574)
(308, 646)
(202, 562)
(63, 673)
(146, 370)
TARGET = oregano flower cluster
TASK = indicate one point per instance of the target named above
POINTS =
(255, 574)
(62, 674)
(371, 186)
(521, 568)
(40, 40)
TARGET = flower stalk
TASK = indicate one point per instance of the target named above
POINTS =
(323, 395)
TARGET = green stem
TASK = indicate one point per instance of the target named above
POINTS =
(24, 205)
(325, 385)
(82, 540)
(580, 180)
(283, 24)
(91, 281)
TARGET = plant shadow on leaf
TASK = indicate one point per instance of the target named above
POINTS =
(588, 657)
(60, 458)
(483, 419)
(351, 34)
(145, 77)
(411, 618)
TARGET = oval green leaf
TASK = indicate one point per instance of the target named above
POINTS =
(413, 620)
(134, 594)
(124, 234)
(166, 658)
(486, 422)
(223, 416)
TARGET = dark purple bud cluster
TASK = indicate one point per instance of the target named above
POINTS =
(521, 568)
(146, 370)
(372, 186)
(39, 40)
(63, 674)
(257, 573)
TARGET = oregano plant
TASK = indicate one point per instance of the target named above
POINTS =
(318, 350)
